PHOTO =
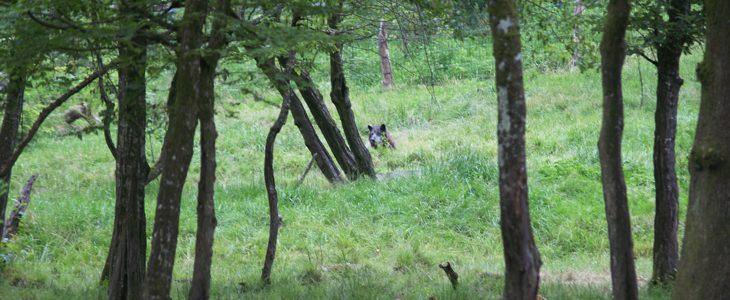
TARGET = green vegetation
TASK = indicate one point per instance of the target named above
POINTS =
(369, 239)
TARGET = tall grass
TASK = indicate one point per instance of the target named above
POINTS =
(369, 239)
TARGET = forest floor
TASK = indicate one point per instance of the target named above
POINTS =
(370, 239)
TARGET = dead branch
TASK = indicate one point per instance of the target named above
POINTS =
(306, 171)
(20, 206)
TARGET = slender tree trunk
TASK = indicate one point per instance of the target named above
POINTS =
(200, 286)
(613, 53)
(326, 123)
(385, 56)
(301, 120)
(129, 241)
(274, 218)
(522, 259)
(704, 268)
(340, 96)
(179, 146)
(666, 220)
(9, 131)
(577, 12)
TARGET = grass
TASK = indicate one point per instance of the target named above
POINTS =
(369, 239)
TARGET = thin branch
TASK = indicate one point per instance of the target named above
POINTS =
(649, 59)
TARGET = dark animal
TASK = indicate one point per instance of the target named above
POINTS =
(380, 136)
(79, 111)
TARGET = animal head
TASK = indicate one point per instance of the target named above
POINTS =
(377, 135)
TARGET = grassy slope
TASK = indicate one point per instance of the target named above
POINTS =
(370, 239)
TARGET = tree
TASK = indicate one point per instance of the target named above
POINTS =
(200, 288)
(522, 259)
(613, 53)
(273, 197)
(385, 56)
(179, 148)
(670, 27)
(704, 269)
(128, 250)
(340, 96)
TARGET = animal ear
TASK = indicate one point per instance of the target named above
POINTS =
(382, 127)
(370, 127)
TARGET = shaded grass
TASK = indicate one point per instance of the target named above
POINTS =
(369, 239)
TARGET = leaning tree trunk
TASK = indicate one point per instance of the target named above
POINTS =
(129, 241)
(9, 131)
(666, 220)
(385, 68)
(522, 259)
(340, 96)
(704, 268)
(182, 124)
(200, 286)
(613, 53)
(301, 120)
(326, 123)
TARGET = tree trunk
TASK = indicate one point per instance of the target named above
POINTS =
(340, 96)
(666, 220)
(156, 169)
(385, 56)
(522, 259)
(200, 286)
(577, 12)
(129, 240)
(301, 120)
(704, 268)
(613, 53)
(326, 123)
(179, 146)
(9, 131)
(274, 218)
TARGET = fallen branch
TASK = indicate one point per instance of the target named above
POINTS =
(46, 112)
(20, 206)
(453, 277)
(306, 171)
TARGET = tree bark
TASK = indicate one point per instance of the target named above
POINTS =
(326, 123)
(522, 259)
(128, 249)
(179, 146)
(340, 96)
(385, 68)
(666, 220)
(704, 268)
(200, 286)
(301, 120)
(9, 131)
(613, 53)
